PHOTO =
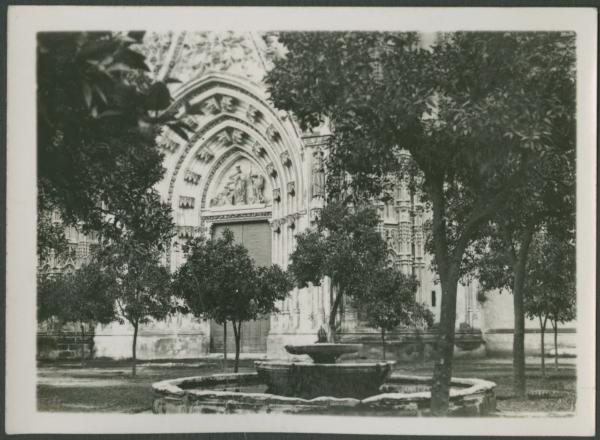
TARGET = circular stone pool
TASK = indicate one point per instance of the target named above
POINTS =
(245, 393)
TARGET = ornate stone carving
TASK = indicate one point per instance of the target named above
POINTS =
(277, 195)
(315, 214)
(276, 224)
(191, 177)
(205, 155)
(291, 221)
(187, 232)
(272, 133)
(168, 144)
(285, 158)
(231, 136)
(192, 122)
(241, 188)
(212, 105)
(271, 170)
(254, 114)
(186, 202)
(258, 150)
(220, 103)
(228, 103)
(316, 140)
(318, 174)
(291, 188)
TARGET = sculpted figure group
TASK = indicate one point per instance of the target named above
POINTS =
(241, 189)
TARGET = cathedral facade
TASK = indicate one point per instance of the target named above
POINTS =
(248, 167)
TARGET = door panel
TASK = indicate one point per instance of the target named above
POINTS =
(256, 237)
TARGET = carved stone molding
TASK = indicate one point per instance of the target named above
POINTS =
(198, 135)
(273, 134)
(212, 105)
(315, 214)
(271, 170)
(285, 158)
(191, 177)
(238, 216)
(228, 103)
(277, 195)
(291, 222)
(186, 202)
(257, 149)
(231, 136)
(220, 103)
(291, 188)
(205, 155)
(168, 145)
(276, 224)
(316, 140)
(187, 232)
(254, 114)
(192, 122)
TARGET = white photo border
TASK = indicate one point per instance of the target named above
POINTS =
(24, 22)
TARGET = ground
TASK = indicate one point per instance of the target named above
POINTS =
(107, 385)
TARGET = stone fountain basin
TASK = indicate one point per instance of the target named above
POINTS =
(308, 380)
(239, 393)
(323, 353)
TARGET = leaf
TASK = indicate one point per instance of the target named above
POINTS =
(87, 94)
(171, 80)
(108, 113)
(157, 97)
(136, 35)
(100, 93)
(194, 109)
(133, 59)
(179, 131)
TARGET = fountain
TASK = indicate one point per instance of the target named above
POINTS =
(322, 386)
(323, 377)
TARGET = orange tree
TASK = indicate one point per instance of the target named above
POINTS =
(389, 301)
(78, 298)
(139, 285)
(220, 281)
(472, 122)
(346, 247)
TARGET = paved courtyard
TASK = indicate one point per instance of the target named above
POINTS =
(107, 386)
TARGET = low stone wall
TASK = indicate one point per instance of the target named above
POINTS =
(164, 346)
(470, 397)
(499, 342)
(64, 345)
(410, 346)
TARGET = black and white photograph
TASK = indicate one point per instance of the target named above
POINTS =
(381, 221)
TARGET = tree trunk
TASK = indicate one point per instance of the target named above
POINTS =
(225, 346)
(519, 270)
(332, 316)
(383, 343)
(543, 350)
(442, 370)
(555, 328)
(82, 327)
(237, 332)
(133, 349)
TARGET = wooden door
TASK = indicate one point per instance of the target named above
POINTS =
(256, 237)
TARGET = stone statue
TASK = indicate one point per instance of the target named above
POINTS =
(257, 188)
(318, 174)
(239, 184)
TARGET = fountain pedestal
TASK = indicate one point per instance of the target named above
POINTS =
(323, 377)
